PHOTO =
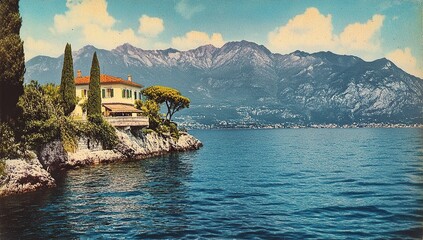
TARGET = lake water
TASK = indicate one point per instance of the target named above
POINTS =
(280, 184)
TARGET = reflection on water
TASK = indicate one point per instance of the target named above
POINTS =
(107, 200)
(282, 184)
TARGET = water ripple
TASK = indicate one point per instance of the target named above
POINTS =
(270, 184)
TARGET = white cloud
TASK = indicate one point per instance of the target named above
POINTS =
(81, 13)
(309, 31)
(34, 47)
(150, 26)
(195, 39)
(312, 31)
(404, 59)
(91, 23)
(362, 36)
(187, 10)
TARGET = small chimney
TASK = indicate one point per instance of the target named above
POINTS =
(78, 73)
(130, 78)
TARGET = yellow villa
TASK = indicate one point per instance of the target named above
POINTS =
(117, 99)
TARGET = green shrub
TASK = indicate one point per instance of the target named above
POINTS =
(2, 168)
(41, 116)
(69, 134)
(100, 131)
(147, 131)
(8, 147)
(163, 129)
(174, 132)
(96, 119)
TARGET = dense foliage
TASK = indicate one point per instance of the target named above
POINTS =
(43, 121)
(41, 115)
(12, 61)
(171, 97)
(8, 147)
(2, 168)
(151, 108)
(94, 98)
(100, 131)
(67, 84)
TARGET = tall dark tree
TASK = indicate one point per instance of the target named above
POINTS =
(94, 100)
(67, 84)
(12, 59)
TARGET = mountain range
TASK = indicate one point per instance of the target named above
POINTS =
(243, 82)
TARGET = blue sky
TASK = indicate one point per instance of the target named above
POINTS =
(370, 29)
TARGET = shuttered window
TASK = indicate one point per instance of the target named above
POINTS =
(103, 93)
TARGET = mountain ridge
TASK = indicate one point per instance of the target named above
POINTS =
(321, 87)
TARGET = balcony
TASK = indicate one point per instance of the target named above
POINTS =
(127, 121)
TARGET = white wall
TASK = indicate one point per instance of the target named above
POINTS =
(117, 95)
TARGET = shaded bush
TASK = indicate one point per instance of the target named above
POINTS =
(69, 133)
(150, 109)
(174, 132)
(100, 131)
(8, 148)
(146, 131)
(2, 168)
(41, 117)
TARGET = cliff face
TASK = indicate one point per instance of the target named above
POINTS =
(27, 176)
(132, 146)
(24, 176)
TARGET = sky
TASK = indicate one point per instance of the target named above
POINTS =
(370, 29)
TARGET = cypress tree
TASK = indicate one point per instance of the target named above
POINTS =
(94, 100)
(12, 61)
(67, 84)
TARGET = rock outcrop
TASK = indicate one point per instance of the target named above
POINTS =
(30, 175)
(24, 176)
(134, 146)
(53, 156)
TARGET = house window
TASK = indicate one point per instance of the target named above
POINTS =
(140, 96)
(83, 93)
(135, 95)
(109, 93)
(103, 93)
(127, 93)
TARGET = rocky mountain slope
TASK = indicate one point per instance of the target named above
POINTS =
(243, 82)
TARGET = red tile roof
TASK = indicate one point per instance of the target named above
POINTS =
(106, 79)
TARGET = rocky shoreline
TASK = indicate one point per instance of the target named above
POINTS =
(30, 175)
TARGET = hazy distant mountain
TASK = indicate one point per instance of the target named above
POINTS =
(245, 82)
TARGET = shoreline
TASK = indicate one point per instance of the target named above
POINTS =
(297, 126)
(37, 173)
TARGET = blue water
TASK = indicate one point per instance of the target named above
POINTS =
(280, 184)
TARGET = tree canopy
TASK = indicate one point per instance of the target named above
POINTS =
(94, 98)
(67, 84)
(171, 97)
(12, 61)
(41, 113)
